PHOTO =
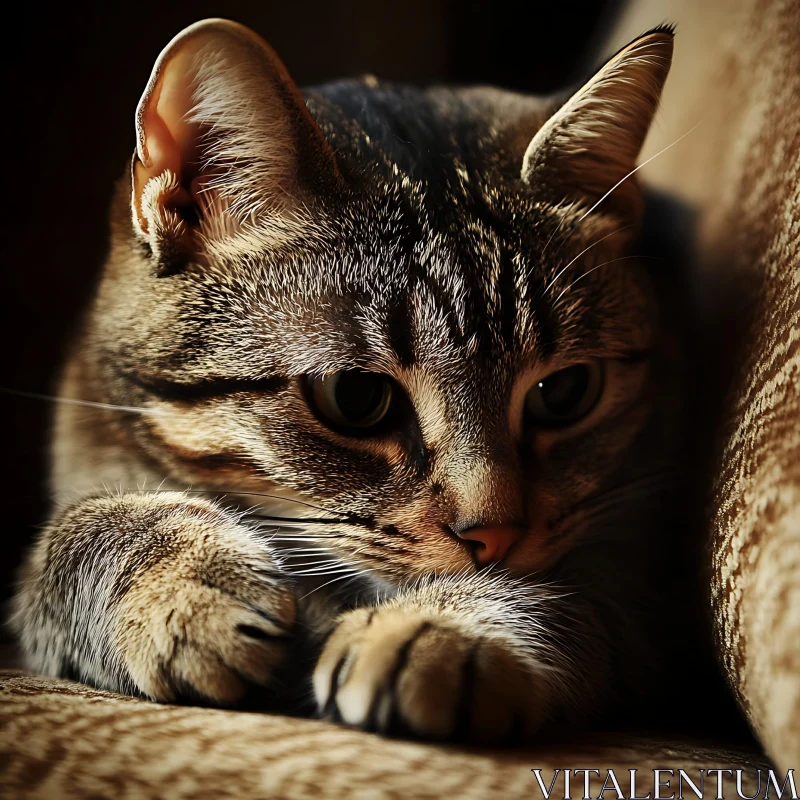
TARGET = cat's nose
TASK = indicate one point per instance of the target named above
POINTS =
(492, 541)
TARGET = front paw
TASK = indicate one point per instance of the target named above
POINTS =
(404, 671)
(208, 616)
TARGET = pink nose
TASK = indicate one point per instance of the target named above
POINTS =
(494, 541)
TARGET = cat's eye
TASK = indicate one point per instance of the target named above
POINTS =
(352, 399)
(565, 396)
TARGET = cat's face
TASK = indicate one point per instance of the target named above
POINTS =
(424, 351)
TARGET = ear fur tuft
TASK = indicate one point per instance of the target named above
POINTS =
(224, 141)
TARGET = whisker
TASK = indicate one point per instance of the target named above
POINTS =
(272, 535)
(281, 498)
(636, 169)
(340, 578)
(590, 271)
(283, 528)
(585, 250)
(608, 502)
(638, 489)
(340, 569)
(309, 538)
(317, 564)
(331, 560)
(252, 494)
(296, 522)
(72, 401)
(618, 184)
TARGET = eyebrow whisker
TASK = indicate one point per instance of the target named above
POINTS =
(589, 271)
(619, 183)
(637, 168)
(585, 250)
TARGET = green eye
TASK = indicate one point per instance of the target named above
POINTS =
(352, 399)
(565, 396)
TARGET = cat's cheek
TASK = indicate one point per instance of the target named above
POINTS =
(537, 551)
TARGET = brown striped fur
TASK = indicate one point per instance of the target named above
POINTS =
(263, 240)
(737, 72)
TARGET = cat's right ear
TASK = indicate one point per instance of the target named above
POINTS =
(225, 145)
(589, 147)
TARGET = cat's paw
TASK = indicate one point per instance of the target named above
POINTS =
(209, 616)
(402, 671)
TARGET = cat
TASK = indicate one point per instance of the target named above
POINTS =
(384, 404)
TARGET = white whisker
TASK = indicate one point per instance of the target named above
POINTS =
(636, 169)
(619, 183)
(278, 540)
(72, 401)
(315, 564)
(282, 499)
(340, 570)
(341, 577)
(589, 271)
(288, 524)
(585, 250)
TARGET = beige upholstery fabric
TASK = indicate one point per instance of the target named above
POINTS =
(736, 76)
(60, 739)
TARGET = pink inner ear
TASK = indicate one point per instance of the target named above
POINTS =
(161, 151)
(169, 138)
(218, 78)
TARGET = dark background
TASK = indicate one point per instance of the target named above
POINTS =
(71, 83)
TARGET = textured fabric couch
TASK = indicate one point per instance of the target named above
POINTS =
(64, 740)
(737, 73)
(736, 77)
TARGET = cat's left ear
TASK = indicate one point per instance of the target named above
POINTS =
(592, 142)
(225, 146)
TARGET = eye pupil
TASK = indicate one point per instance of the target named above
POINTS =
(351, 399)
(358, 395)
(564, 391)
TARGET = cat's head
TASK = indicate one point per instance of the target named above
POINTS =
(419, 309)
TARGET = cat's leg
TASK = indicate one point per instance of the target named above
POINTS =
(154, 593)
(475, 658)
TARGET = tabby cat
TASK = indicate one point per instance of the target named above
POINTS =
(376, 398)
